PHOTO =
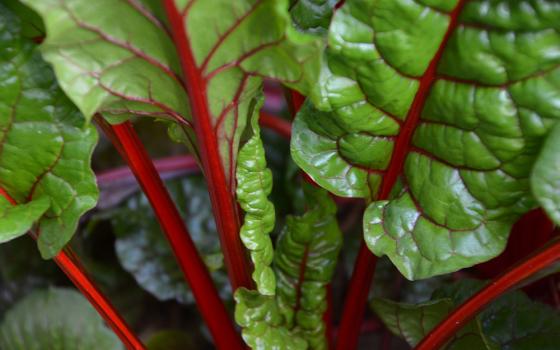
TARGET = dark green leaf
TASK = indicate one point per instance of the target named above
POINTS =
(144, 251)
(545, 178)
(312, 16)
(513, 321)
(55, 319)
(45, 150)
(413, 322)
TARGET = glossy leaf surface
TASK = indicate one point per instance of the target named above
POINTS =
(413, 322)
(305, 261)
(545, 178)
(45, 149)
(312, 16)
(254, 185)
(438, 109)
(56, 319)
(144, 252)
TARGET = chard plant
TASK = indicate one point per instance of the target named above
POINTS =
(419, 139)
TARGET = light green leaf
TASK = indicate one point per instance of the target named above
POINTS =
(262, 322)
(545, 177)
(55, 319)
(254, 185)
(143, 250)
(305, 261)
(413, 322)
(45, 151)
(458, 139)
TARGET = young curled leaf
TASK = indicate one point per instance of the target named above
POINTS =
(254, 184)
(305, 260)
(262, 322)
(45, 150)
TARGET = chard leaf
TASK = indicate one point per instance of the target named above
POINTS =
(145, 253)
(545, 177)
(254, 185)
(513, 321)
(312, 16)
(305, 261)
(263, 323)
(224, 66)
(45, 150)
(436, 109)
(113, 57)
(55, 319)
(413, 322)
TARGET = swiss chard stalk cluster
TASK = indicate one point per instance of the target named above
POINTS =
(440, 115)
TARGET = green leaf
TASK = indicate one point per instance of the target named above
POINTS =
(413, 322)
(45, 151)
(312, 16)
(56, 319)
(262, 322)
(113, 57)
(440, 108)
(305, 261)
(144, 252)
(514, 321)
(545, 177)
(254, 185)
(170, 340)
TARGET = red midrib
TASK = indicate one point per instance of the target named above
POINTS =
(402, 145)
(301, 279)
(223, 202)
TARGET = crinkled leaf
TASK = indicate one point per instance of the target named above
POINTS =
(305, 260)
(55, 319)
(249, 40)
(254, 185)
(262, 322)
(413, 322)
(513, 321)
(545, 177)
(45, 151)
(144, 251)
(312, 16)
(450, 99)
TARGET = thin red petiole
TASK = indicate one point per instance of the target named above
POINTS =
(277, 124)
(443, 332)
(209, 303)
(70, 265)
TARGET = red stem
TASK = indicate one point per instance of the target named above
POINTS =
(277, 124)
(165, 165)
(221, 195)
(362, 277)
(70, 265)
(356, 299)
(209, 303)
(468, 310)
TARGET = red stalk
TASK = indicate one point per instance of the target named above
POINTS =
(277, 124)
(209, 303)
(221, 195)
(468, 310)
(164, 165)
(362, 277)
(70, 265)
